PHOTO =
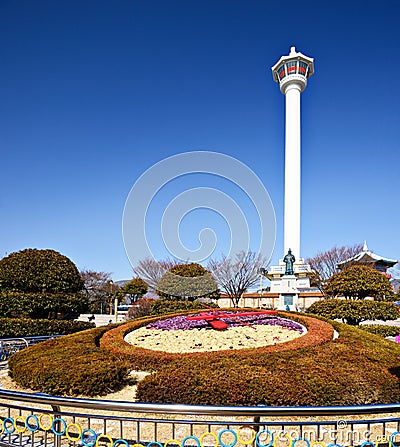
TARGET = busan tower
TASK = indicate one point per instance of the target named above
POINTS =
(291, 72)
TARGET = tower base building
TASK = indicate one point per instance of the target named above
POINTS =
(290, 288)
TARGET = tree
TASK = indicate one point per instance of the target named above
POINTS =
(97, 287)
(324, 263)
(187, 281)
(40, 284)
(236, 274)
(151, 270)
(43, 271)
(358, 282)
(135, 288)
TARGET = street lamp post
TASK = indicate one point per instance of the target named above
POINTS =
(262, 272)
(111, 283)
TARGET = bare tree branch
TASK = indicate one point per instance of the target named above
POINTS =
(96, 286)
(151, 270)
(325, 263)
(236, 274)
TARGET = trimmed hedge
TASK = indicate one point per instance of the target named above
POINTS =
(354, 311)
(357, 368)
(72, 365)
(41, 305)
(381, 329)
(25, 327)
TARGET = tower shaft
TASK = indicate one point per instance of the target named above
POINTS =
(292, 72)
(292, 170)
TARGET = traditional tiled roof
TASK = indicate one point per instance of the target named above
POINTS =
(368, 257)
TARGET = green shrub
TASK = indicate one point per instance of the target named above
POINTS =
(359, 282)
(41, 305)
(72, 365)
(40, 284)
(381, 329)
(187, 281)
(354, 311)
(25, 327)
(135, 288)
(39, 271)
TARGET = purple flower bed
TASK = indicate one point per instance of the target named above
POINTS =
(183, 323)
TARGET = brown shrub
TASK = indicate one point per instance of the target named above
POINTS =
(352, 370)
(72, 365)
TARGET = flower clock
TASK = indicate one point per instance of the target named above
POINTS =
(215, 331)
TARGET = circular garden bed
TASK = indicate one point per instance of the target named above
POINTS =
(211, 331)
(313, 369)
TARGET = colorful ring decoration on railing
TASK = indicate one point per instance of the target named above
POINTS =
(23, 421)
(251, 440)
(221, 433)
(89, 438)
(321, 443)
(68, 435)
(88, 432)
(195, 439)
(5, 428)
(54, 426)
(29, 426)
(41, 417)
(300, 439)
(261, 432)
(392, 436)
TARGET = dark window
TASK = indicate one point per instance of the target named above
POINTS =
(303, 68)
(281, 72)
(291, 67)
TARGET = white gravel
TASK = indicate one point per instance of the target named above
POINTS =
(201, 340)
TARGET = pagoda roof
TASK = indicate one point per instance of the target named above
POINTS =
(366, 256)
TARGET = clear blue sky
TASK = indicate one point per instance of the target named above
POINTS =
(93, 93)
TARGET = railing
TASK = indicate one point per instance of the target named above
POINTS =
(9, 346)
(42, 420)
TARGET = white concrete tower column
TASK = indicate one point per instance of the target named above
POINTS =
(292, 72)
(292, 171)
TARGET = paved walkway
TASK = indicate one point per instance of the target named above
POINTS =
(384, 323)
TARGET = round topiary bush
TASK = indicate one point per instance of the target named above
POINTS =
(39, 271)
(358, 282)
(187, 281)
(40, 284)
